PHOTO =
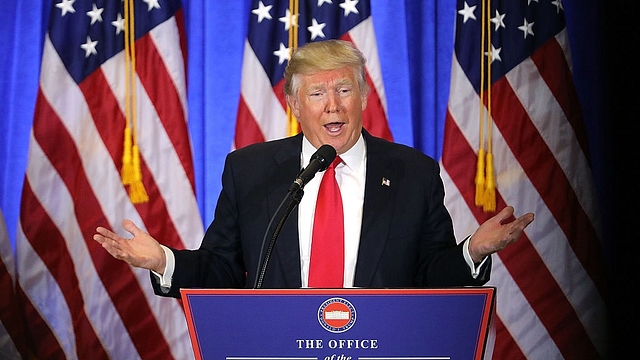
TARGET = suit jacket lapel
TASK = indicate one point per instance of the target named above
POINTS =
(379, 199)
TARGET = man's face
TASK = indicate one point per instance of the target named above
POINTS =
(329, 107)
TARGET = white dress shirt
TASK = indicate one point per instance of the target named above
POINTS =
(350, 175)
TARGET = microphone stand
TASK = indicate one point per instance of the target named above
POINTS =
(294, 195)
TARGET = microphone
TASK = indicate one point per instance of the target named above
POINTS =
(320, 161)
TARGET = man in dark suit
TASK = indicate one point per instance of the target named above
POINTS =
(397, 230)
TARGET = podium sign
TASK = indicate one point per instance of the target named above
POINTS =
(339, 324)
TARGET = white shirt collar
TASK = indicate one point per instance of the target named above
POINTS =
(354, 158)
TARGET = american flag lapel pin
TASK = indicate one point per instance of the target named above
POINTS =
(386, 182)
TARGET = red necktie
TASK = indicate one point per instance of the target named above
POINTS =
(326, 267)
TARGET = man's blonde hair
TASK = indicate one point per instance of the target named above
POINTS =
(322, 56)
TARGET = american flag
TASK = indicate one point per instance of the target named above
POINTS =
(12, 338)
(262, 110)
(551, 292)
(79, 302)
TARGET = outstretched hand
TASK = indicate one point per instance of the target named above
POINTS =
(141, 251)
(494, 235)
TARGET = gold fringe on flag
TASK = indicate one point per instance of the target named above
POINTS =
(485, 179)
(131, 173)
(292, 123)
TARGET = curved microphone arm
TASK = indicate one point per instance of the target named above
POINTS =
(294, 196)
(320, 161)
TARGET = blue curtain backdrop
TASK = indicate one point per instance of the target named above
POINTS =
(415, 41)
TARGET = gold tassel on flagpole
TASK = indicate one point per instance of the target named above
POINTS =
(485, 179)
(480, 164)
(131, 172)
(127, 163)
(489, 203)
(490, 187)
(292, 123)
(479, 200)
(137, 192)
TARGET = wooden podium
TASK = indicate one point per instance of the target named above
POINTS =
(339, 324)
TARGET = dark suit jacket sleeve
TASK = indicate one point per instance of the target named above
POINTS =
(407, 233)
(218, 261)
(255, 180)
(447, 267)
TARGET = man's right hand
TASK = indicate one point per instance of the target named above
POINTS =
(141, 251)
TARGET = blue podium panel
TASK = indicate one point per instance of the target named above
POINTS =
(339, 324)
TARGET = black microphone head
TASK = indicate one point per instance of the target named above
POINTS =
(325, 155)
(320, 161)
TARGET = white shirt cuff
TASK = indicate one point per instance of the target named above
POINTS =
(170, 264)
(475, 270)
